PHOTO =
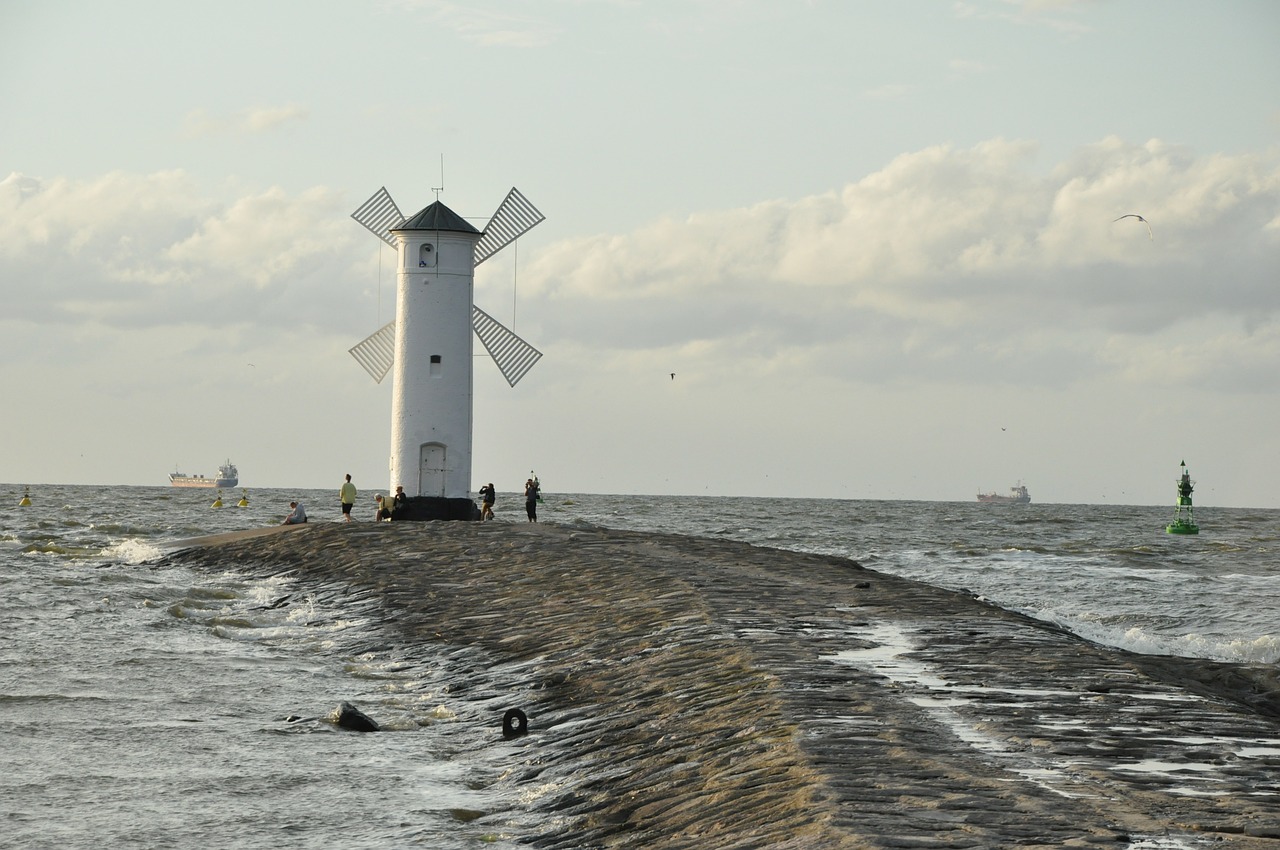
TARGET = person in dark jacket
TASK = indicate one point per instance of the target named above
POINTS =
(531, 500)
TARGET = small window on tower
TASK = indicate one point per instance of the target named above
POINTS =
(435, 364)
(426, 255)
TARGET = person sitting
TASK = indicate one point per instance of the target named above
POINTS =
(297, 514)
(399, 501)
(383, 510)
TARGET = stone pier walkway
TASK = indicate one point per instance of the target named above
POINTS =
(692, 693)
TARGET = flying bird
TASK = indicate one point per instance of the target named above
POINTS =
(1141, 219)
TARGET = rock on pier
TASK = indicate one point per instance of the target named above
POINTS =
(691, 693)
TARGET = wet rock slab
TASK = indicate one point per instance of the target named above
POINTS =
(692, 693)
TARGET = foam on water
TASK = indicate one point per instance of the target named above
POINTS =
(131, 552)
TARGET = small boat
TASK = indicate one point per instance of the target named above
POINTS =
(1018, 495)
(228, 476)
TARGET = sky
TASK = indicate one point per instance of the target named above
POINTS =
(876, 243)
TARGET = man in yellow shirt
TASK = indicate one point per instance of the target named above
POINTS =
(348, 496)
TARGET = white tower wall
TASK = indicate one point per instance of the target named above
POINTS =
(432, 388)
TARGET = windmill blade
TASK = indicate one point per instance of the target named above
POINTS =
(514, 217)
(513, 355)
(377, 352)
(379, 214)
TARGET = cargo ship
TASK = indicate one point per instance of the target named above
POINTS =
(228, 476)
(1018, 495)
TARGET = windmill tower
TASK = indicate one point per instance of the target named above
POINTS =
(428, 345)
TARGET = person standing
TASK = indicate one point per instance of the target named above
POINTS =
(487, 498)
(348, 497)
(531, 500)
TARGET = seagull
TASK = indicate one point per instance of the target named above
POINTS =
(1141, 219)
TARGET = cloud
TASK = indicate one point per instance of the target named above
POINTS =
(957, 265)
(918, 310)
(260, 119)
(199, 123)
(889, 91)
(487, 27)
(968, 67)
(147, 250)
(1053, 14)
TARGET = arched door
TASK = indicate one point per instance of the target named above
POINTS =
(431, 469)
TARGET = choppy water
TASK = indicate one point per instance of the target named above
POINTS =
(143, 705)
(1109, 573)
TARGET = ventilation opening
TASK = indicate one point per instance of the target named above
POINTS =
(435, 364)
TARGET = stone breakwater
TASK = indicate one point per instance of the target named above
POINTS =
(693, 693)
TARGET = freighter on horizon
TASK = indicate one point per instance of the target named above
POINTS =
(1017, 494)
(228, 476)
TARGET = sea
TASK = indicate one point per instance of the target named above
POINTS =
(147, 705)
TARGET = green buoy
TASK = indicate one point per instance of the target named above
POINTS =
(1183, 522)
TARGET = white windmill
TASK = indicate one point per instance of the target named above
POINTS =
(429, 341)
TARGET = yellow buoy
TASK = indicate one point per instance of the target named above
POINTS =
(217, 503)
(26, 498)
(244, 499)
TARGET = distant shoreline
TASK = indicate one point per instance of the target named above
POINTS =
(510, 495)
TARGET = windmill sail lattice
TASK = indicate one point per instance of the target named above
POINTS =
(513, 355)
(377, 351)
(514, 217)
(379, 214)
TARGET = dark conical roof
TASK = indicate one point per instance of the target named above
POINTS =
(436, 217)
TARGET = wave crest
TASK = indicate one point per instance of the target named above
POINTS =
(132, 552)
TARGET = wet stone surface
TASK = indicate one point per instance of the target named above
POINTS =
(692, 693)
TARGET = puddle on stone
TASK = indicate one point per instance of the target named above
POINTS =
(1168, 768)
(1259, 752)
(889, 656)
(1165, 842)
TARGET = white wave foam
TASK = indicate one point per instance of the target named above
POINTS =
(132, 552)
(1260, 650)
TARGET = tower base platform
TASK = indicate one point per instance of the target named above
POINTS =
(424, 508)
